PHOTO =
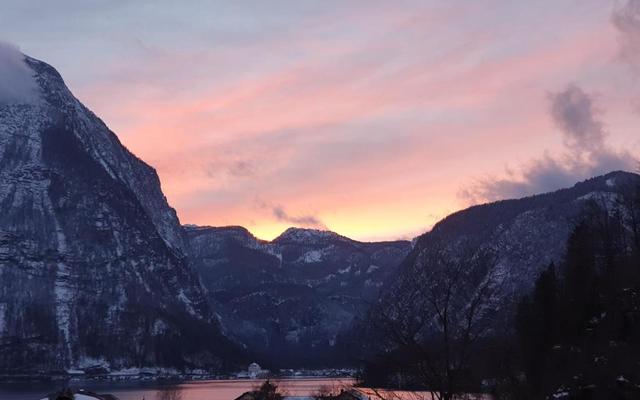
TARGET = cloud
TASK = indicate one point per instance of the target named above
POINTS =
(573, 112)
(303, 220)
(586, 154)
(229, 167)
(281, 215)
(17, 84)
(241, 168)
(626, 20)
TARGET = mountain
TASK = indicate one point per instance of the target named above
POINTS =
(290, 299)
(518, 238)
(93, 266)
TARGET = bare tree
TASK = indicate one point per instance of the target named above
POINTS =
(334, 389)
(171, 393)
(437, 316)
(629, 201)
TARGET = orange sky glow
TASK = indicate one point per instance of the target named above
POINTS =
(372, 121)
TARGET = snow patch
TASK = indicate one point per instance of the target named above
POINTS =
(187, 302)
(79, 396)
(159, 327)
(126, 372)
(344, 271)
(607, 200)
(90, 362)
(62, 289)
(312, 256)
(3, 318)
(306, 236)
(293, 336)
(372, 268)
(75, 372)
(371, 283)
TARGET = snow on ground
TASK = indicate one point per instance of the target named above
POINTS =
(3, 313)
(345, 270)
(89, 362)
(79, 396)
(372, 268)
(187, 302)
(312, 256)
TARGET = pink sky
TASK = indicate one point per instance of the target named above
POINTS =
(366, 118)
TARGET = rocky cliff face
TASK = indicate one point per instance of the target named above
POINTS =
(291, 298)
(93, 267)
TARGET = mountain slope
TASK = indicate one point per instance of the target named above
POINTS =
(291, 298)
(92, 259)
(522, 236)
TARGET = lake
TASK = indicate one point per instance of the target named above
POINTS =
(192, 390)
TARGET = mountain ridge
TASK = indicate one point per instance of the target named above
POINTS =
(522, 236)
(93, 267)
(602, 182)
(289, 299)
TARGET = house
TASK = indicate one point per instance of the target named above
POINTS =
(254, 370)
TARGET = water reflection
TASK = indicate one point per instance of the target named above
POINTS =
(195, 390)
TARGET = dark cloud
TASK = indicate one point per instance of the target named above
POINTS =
(586, 154)
(281, 215)
(302, 220)
(241, 168)
(573, 112)
(626, 20)
(234, 168)
(17, 84)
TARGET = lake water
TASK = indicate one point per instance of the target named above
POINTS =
(192, 390)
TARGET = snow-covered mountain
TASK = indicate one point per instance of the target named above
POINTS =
(93, 267)
(291, 298)
(519, 238)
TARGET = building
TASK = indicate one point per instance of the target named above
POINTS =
(254, 370)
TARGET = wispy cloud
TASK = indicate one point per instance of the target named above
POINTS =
(302, 220)
(373, 111)
(626, 20)
(574, 112)
(280, 214)
(17, 84)
(586, 153)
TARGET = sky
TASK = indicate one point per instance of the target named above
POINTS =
(374, 119)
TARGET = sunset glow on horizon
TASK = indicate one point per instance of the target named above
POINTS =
(371, 119)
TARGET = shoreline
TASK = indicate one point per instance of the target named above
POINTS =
(168, 378)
